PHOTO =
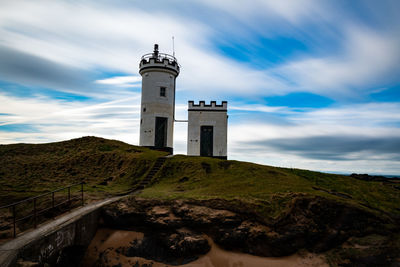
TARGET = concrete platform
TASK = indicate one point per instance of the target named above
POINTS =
(74, 226)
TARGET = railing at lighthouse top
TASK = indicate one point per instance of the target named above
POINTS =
(159, 57)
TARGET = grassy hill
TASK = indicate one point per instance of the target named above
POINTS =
(106, 166)
(110, 167)
(269, 188)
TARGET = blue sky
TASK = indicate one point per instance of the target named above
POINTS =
(311, 84)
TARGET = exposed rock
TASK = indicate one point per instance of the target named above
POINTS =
(339, 194)
(320, 224)
(205, 216)
(175, 248)
(313, 223)
(370, 250)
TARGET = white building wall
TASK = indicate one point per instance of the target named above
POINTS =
(157, 74)
(153, 105)
(207, 115)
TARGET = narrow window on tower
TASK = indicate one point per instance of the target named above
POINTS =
(163, 91)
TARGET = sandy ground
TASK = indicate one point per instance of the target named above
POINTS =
(108, 242)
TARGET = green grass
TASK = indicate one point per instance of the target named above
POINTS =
(107, 167)
(30, 169)
(110, 167)
(270, 188)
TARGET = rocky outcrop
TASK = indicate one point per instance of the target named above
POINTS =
(313, 223)
(174, 248)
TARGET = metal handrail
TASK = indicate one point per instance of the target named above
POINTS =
(35, 213)
(41, 195)
(160, 57)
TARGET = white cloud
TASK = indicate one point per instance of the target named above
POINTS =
(373, 115)
(370, 119)
(376, 122)
(102, 37)
(89, 34)
(368, 57)
(292, 11)
(123, 81)
(117, 119)
(95, 36)
(258, 108)
(120, 120)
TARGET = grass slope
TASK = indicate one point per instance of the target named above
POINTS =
(270, 188)
(106, 166)
(109, 167)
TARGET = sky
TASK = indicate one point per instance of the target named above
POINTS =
(311, 84)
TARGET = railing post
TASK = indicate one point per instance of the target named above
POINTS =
(34, 213)
(14, 220)
(52, 200)
(69, 195)
(36, 210)
(82, 192)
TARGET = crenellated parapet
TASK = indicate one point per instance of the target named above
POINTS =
(160, 61)
(212, 106)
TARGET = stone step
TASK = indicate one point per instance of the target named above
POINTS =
(154, 170)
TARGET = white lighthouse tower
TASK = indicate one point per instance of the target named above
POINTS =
(159, 72)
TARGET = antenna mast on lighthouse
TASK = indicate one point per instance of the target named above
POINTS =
(173, 46)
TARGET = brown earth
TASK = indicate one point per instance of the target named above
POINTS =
(108, 247)
(175, 232)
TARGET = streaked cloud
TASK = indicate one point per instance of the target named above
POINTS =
(367, 56)
(310, 84)
(357, 138)
(42, 119)
(337, 147)
(125, 81)
(33, 70)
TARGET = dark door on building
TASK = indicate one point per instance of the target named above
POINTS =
(161, 132)
(206, 141)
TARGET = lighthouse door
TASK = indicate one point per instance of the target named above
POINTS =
(206, 141)
(161, 132)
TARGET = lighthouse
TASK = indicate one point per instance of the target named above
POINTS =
(159, 72)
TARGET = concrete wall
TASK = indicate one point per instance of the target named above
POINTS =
(156, 74)
(48, 248)
(49, 242)
(203, 114)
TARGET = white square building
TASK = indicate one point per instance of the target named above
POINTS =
(207, 129)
